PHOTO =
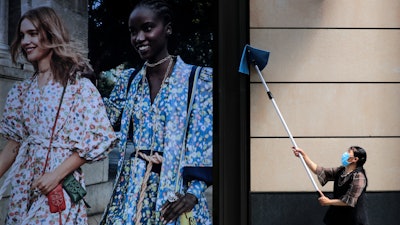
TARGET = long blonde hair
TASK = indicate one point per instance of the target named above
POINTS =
(67, 61)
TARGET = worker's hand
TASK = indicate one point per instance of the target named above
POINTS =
(298, 151)
(324, 201)
(170, 211)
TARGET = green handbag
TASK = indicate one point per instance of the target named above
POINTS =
(74, 189)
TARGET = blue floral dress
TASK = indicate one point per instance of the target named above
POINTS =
(160, 126)
(28, 118)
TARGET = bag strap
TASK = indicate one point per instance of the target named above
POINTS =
(191, 79)
(191, 91)
(54, 128)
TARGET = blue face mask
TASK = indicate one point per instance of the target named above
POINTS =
(345, 158)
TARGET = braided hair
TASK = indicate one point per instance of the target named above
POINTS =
(160, 7)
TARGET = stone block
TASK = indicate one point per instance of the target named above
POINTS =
(329, 55)
(317, 13)
(98, 197)
(274, 168)
(326, 109)
(96, 172)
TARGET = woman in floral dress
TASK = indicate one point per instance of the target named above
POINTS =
(164, 179)
(82, 132)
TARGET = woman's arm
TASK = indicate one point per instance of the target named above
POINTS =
(8, 155)
(325, 201)
(312, 165)
(50, 180)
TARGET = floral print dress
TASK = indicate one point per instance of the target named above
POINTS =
(28, 118)
(160, 126)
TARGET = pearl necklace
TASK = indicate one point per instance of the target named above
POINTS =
(158, 62)
(155, 102)
(155, 125)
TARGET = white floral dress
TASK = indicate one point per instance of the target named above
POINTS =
(28, 118)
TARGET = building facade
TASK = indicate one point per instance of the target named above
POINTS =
(334, 70)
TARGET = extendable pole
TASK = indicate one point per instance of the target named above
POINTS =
(271, 97)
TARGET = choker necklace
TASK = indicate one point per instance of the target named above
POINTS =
(157, 63)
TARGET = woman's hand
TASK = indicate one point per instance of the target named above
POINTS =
(324, 201)
(49, 181)
(298, 151)
(172, 210)
(46, 183)
(312, 165)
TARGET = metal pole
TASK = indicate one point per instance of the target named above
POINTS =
(286, 128)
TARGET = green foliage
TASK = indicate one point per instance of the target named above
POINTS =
(109, 40)
(108, 78)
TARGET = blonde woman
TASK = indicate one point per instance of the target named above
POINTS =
(59, 104)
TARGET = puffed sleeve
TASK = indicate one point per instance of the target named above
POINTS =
(327, 174)
(115, 102)
(90, 131)
(11, 124)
